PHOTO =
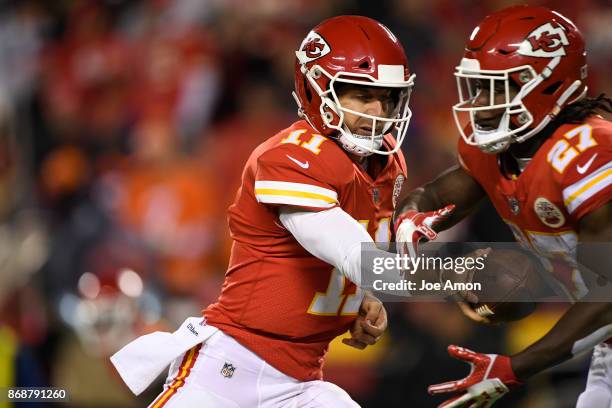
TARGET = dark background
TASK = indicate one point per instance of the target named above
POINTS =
(124, 126)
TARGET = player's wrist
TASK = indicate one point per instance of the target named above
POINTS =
(506, 371)
(524, 366)
(369, 297)
(408, 214)
(519, 370)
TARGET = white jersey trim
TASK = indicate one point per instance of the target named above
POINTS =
(578, 193)
(282, 192)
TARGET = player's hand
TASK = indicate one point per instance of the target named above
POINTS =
(413, 226)
(369, 325)
(490, 377)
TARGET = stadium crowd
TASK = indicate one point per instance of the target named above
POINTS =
(124, 128)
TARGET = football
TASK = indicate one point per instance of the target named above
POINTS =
(509, 282)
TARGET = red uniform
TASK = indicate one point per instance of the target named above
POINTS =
(569, 176)
(278, 300)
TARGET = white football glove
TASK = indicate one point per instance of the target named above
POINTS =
(491, 376)
(413, 226)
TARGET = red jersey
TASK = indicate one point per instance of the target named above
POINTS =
(569, 176)
(278, 300)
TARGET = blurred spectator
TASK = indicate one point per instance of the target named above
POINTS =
(170, 202)
(178, 77)
(23, 250)
(124, 127)
(84, 79)
(228, 145)
(22, 31)
(110, 305)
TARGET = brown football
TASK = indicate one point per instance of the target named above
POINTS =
(509, 282)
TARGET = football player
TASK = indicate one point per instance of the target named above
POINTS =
(310, 196)
(532, 143)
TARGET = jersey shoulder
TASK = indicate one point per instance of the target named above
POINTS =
(580, 159)
(302, 149)
(298, 166)
(593, 131)
(602, 129)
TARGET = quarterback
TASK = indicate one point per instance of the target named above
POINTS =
(533, 143)
(310, 195)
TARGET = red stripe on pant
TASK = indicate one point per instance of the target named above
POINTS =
(185, 368)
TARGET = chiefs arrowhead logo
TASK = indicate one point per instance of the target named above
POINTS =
(546, 41)
(548, 213)
(313, 47)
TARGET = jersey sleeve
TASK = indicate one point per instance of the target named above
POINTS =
(289, 175)
(586, 191)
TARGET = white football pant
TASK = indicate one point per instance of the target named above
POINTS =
(222, 373)
(598, 392)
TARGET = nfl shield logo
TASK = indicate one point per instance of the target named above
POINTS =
(397, 188)
(228, 370)
(514, 205)
(375, 195)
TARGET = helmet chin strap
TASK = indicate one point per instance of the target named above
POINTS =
(300, 111)
(359, 146)
(492, 141)
(354, 144)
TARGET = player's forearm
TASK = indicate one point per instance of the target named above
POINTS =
(454, 186)
(331, 235)
(568, 337)
(418, 199)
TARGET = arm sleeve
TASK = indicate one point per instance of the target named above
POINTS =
(331, 235)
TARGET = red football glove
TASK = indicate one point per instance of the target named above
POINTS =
(413, 226)
(490, 378)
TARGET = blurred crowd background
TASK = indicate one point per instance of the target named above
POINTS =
(124, 126)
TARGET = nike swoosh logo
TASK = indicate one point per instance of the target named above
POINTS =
(299, 163)
(582, 169)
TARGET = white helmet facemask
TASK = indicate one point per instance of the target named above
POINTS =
(499, 83)
(397, 121)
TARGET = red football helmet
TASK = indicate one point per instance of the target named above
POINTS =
(354, 50)
(532, 63)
